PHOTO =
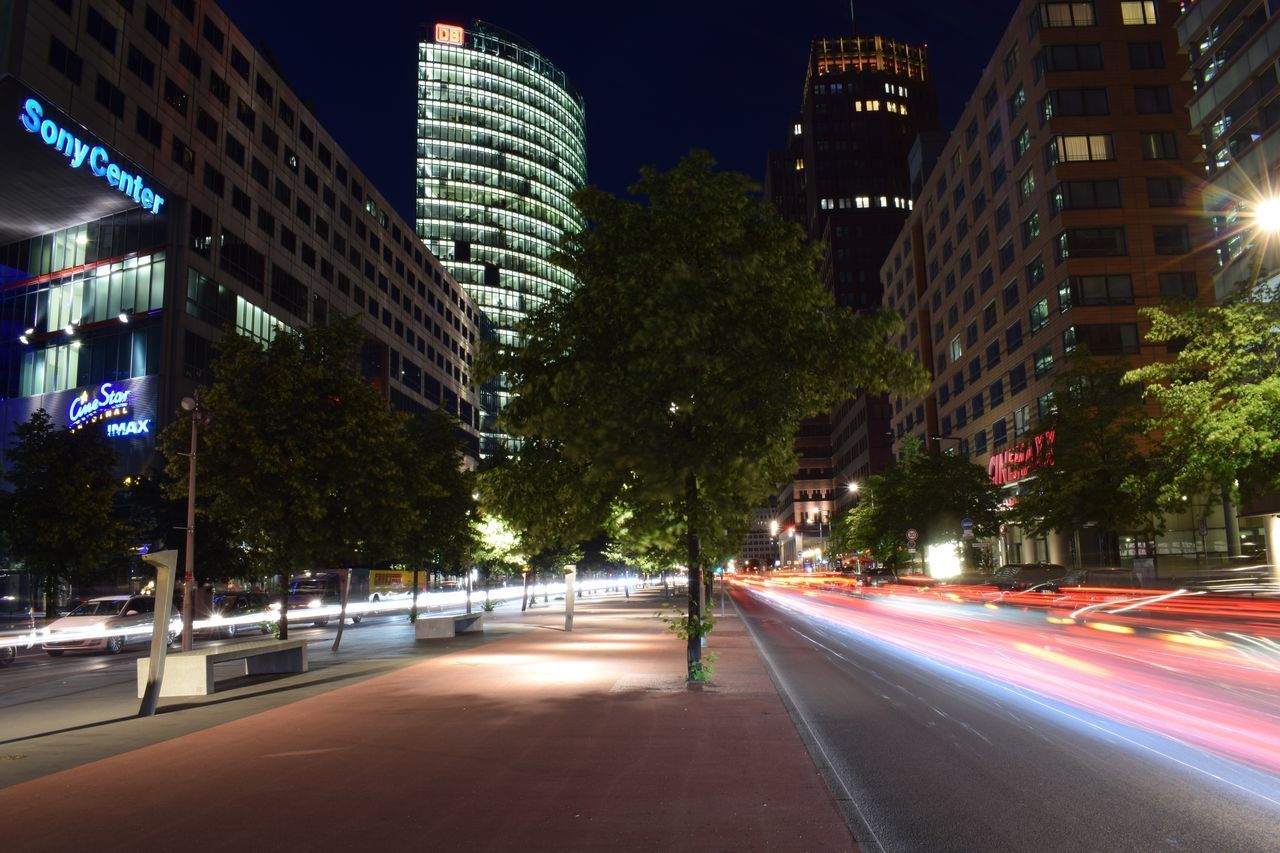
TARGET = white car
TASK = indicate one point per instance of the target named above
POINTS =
(106, 624)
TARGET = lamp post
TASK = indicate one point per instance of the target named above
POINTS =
(773, 539)
(192, 405)
(942, 438)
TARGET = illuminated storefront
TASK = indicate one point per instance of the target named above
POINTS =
(158, 189)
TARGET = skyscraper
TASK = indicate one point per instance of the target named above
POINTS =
(843, 177)
(206, 196)
(1062, 203)
(501, 148)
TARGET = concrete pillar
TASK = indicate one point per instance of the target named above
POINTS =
(1272, 529)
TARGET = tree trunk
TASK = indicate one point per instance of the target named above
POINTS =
(342, 611)
(413, 602)
(524, 596)
(694, 559)
(284, 610)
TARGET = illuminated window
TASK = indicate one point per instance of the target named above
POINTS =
(1026, 184)
(800, 165)
(1068, 14)
(864, 201)
(1022, 142)
(797, 130)
(884, 201)
(902, 109)
(955, 349)
(891, 106)
(873, 105)
(1074, 148)
(857, 106)
(1141, 12)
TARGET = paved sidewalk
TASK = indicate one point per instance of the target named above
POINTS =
(540, 741)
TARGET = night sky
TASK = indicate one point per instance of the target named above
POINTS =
(659, 77)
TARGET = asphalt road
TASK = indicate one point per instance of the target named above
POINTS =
(928, 755)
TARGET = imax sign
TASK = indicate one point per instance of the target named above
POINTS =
(79, 152)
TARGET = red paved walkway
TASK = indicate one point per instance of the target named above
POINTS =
(543, 741)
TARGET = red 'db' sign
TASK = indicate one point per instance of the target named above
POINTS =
(448, 34)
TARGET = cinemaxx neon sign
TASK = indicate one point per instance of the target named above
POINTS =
(78, 153)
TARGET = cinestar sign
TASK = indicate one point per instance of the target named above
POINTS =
(107, 403)
(78, 153)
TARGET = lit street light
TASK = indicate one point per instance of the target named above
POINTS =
(1266, 215)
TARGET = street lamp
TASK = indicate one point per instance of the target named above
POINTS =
(853, 488)
(192, 405)
(1266, 215)
(942, 438)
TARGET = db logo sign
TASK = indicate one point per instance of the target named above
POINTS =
(448, 34)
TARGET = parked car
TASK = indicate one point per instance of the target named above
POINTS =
(237, 613)
(1050, 577)
(106, 624)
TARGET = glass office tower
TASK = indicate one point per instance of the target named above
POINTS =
(501, 148)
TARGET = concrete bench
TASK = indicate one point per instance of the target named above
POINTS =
(436, 627)
(191, 673)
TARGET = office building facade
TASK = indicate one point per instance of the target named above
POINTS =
(501, 147)
(843, 177)
(163, 182)
(1065, 200)
(1232, 51)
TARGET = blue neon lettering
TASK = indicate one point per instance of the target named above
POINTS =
(30, 115)
(96, 156)
(77, 151)
(83, 407)
(66, 142)
(138, 427)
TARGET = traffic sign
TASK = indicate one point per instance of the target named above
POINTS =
(912, 535)
(967, 526)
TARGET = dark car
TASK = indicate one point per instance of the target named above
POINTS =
(1049, 577)
(238, 613)
(875, 575)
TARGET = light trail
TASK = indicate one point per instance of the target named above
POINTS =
(428, 602)
(1209, 701)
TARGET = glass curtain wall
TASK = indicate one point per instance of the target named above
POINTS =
(501, 147)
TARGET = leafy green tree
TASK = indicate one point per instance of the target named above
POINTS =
(440, 491)
(1097, 484)
(59, 517)
(298, 459)
(439, 495)
(671, 382)
(1218, 398)
(929, 492)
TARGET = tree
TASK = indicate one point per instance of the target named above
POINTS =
(672, 380)
(59, 518)
(927, 492)
(1098, 474)
(1218, 399)
(298, 459)
(442, 506)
